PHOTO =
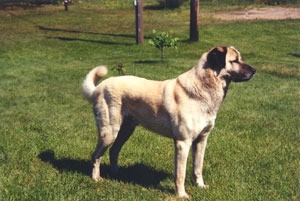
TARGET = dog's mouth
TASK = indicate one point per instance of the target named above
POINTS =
(245, 74)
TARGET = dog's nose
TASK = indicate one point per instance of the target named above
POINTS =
(250, 69)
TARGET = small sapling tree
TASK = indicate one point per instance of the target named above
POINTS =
(161, 40)
(120, 69)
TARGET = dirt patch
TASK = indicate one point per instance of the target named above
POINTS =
(267, 13)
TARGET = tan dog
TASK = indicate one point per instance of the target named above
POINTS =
(184, 108)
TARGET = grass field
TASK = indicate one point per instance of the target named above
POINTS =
(47, 130)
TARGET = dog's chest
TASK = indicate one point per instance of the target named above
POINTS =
(191, 125)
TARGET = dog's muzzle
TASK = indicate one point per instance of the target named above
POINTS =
(246, 72)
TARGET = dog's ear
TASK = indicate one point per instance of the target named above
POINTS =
(216, 59)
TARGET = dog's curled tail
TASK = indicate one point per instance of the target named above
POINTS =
(90, 81)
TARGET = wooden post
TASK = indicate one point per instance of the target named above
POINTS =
(194, 20)
(66, 2)
(139, 21)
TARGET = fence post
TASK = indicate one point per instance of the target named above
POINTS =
(139, 21)
(194, 20)
(66, 2)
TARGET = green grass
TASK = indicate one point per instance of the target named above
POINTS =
(47, 129)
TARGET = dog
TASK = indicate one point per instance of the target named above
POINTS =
(183, 108)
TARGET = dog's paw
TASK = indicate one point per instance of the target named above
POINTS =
(200, 184)
(184, 196)
(97, 179)
(203, 186)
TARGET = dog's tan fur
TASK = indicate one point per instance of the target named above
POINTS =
(183, 108)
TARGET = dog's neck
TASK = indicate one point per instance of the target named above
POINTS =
(205, 85)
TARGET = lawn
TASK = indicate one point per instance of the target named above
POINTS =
(47, 129)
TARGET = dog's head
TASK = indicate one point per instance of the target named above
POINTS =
(227, 62)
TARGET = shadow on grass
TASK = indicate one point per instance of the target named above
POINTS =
(139, 174)
(87, 32)
(84, 32)
(294, 55)
(155, 7)
(90, 41)
(66, 164)
(24, 4)
(148, 61)
(43, 28)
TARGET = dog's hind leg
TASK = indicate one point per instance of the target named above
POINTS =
(127, 128)
(108, 123)
(106, 138)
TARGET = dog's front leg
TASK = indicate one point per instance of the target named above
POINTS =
(198, 158)
(181, 155)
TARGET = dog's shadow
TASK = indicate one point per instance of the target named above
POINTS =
(139, 174)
